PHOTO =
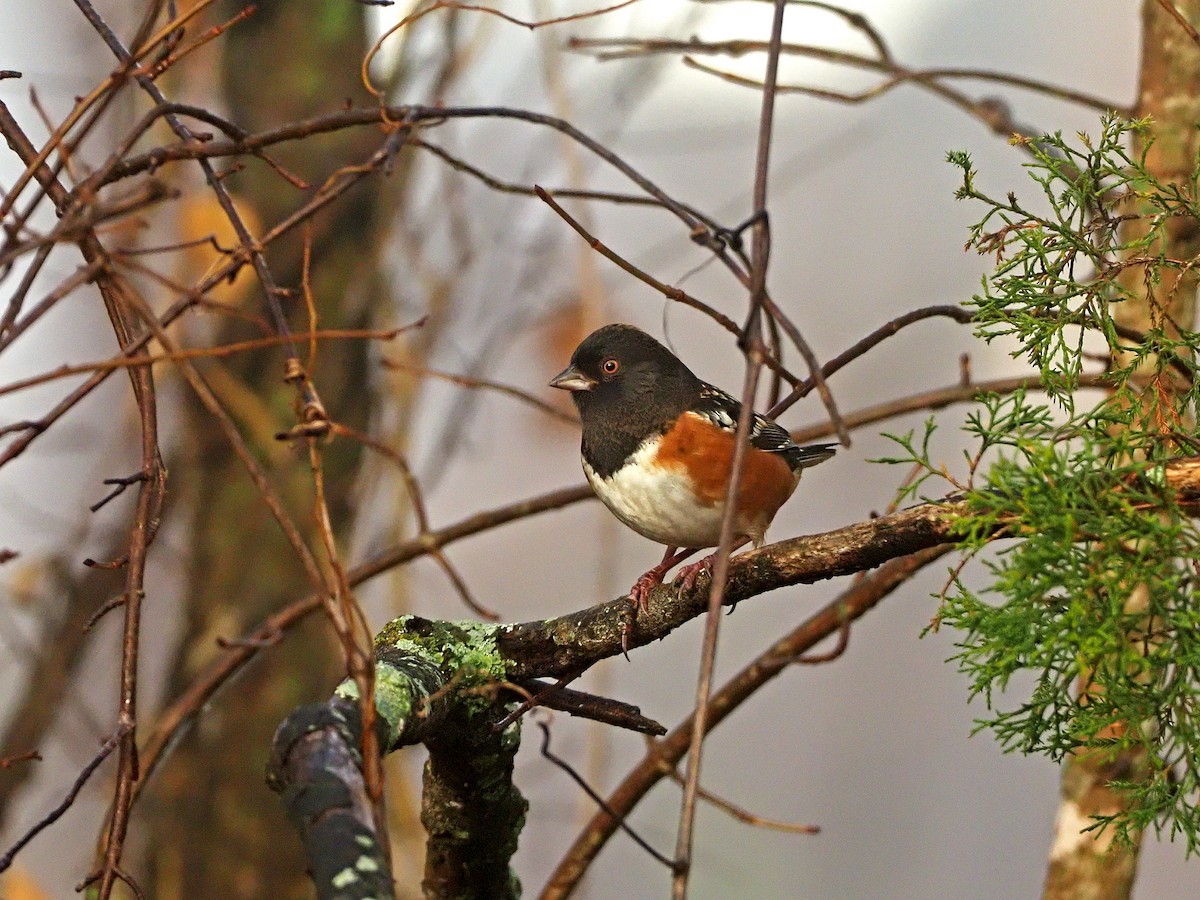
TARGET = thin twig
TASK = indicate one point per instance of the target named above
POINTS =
(587, 789)
(668, 291)
(55, 814)
(671, 293)
(217, 352)
(122, 304)
(417, 498)
(469, 381)
(470, 7)
(817, 375)
(926, 78)
(224, 199)
(662, 756)
(938, 399)
(28, 756)
(535, 691)
(187, 705)
(744, 815)
(843, 643)
(81, 276)
(336, 185)
(1175, 14)
(342, 609)
(755, 351)
(529, 190)
(119, 485)
(859, 348)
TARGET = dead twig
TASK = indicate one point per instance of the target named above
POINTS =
(55, 814)
(755, 353)
(617, 819)
(744, 815)
(473, 383)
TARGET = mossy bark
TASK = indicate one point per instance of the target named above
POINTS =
(471, 809)
(434, 684)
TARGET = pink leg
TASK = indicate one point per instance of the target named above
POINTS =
(640, 593)
(687, 576)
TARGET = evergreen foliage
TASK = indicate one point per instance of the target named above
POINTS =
(1092, 585)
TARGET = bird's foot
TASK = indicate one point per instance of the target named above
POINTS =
(639, 594)
(639, 601)
(628, 616)
(685, 578)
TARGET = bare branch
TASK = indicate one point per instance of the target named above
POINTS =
(55, 814)
(663, 756)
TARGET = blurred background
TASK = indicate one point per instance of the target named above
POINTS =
(875, 748)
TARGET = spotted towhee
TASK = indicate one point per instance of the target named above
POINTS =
(658, 450)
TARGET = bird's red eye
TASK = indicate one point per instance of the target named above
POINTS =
(610, 366)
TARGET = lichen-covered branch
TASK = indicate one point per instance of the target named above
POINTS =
(316, 765)
(438, 683)
(422, 675)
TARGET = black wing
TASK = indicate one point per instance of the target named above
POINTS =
(722, 409)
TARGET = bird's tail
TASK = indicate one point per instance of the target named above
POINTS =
(803, 457)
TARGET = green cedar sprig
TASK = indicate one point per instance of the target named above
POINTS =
(1086, 631)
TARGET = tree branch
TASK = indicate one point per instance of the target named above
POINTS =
(429, 670)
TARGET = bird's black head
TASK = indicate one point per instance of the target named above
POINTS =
(626, 386)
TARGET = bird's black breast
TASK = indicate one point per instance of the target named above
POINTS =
(606, 450)
(619, 418)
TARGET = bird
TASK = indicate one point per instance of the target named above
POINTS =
(658, 445)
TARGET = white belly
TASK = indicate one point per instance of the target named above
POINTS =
(658, 504)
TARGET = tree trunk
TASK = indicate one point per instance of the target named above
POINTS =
(213, 829)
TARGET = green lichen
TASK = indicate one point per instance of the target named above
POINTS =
(395, 693)
(566, 632)
(344, 878)
(462, 646)
(416, 657)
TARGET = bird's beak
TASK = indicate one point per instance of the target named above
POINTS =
(571, 379)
